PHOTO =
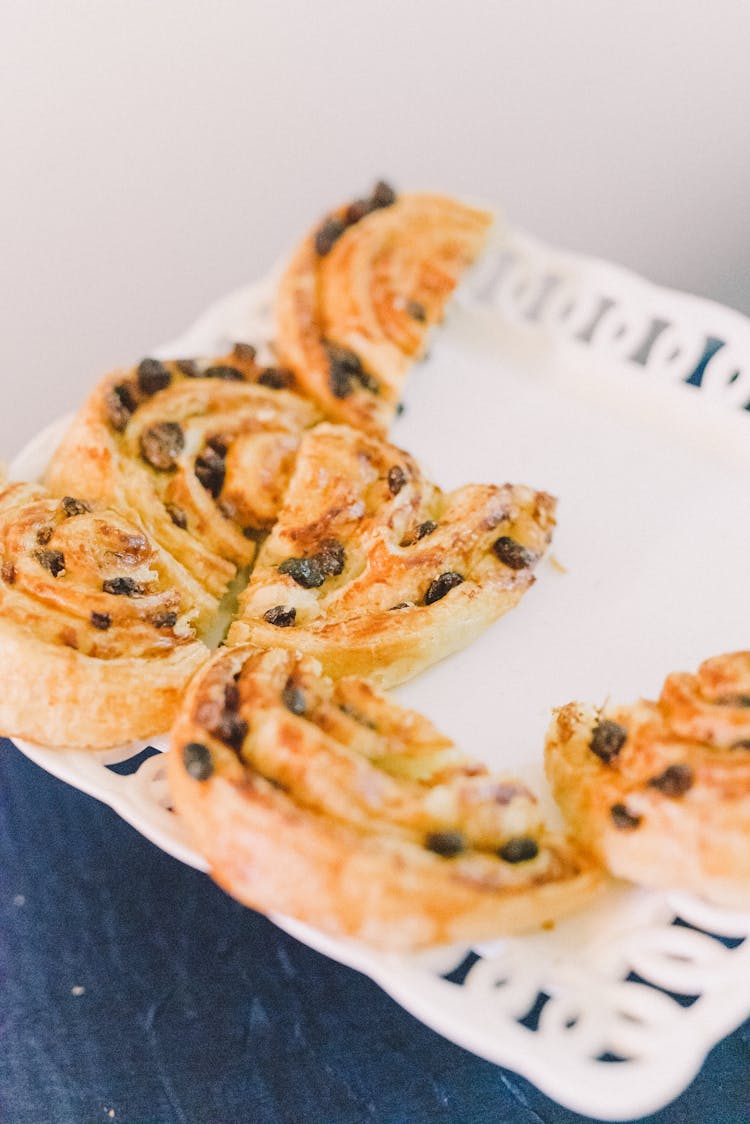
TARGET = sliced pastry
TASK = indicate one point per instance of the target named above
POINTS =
(661, 790)
(99, 627)
(361, 292)
(376, 572)
(323, 801)
(199, 451)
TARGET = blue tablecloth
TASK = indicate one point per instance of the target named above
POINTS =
(134, 990)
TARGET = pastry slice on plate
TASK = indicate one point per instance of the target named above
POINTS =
(362, 291)
(661, 790)
(375, 571)
(198, 451)
(99, 628)
(323, 801)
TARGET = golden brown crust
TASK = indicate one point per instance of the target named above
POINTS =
(375, 572)
(98, 626)
(663, 795)
(325, 802)
(354, 307)
(198, 451)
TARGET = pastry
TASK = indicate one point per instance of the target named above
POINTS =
(661, 790)
(198, 451)
(323, 801)
(376, 572)
(361, 292)
(99, 628)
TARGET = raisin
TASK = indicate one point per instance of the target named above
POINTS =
(328, 235)
(401, 605)
(167, 619)
(44, 534)
(188, 368)
(119, 405)
(400, 409)
(52, 560)
(8, 573)
(733, 700)
(622, 819)
(293, 698)
(231, 729)
(161, 444)
(102, 621)
(223, 371)
(357, 210)
(332, 557)
(520, 849)
(197, 761)
(255, 534)
(417, 311)
(123, 587)
(211, 470)
(420, 532)
(383, 195)
(306, 572)
(447, 844)
(244, 351)
(438, 588)
(231, 696)
(280, 616)
(344, 366)
(607, 739)
(675, 781)
(276, 378)
(396, 479)
(152, 376)
(73, 507)
(513, 554)
(177, 515)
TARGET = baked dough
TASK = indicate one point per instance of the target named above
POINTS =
(198, 451)
(661, 791)
(98, 626)
(325, 802)
(376, 572)
(361, 292)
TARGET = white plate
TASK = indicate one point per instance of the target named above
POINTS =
(567, 374)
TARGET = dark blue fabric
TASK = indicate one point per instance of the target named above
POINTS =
(198, 1011)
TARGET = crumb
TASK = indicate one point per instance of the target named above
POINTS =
(78, 990)
(556, 564)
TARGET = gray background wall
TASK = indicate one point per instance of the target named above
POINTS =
(156, 154)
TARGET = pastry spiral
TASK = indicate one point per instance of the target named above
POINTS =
(326, 802)
(361, 292)
(99, 627)
(198, 451)
(376, 572)
(661, 791)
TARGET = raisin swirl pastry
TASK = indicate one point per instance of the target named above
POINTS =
(376, 572)
(361, 292)
(325, 802)
(661, 791)
(198, 451)
(99, 628)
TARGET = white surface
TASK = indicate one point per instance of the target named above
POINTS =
(158, 152)
(651, 476)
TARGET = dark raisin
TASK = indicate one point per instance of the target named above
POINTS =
(520, 849)
(401, 605)
(383, 195)
(293, 698)
(8, 573)
(255, 534)
(223, 371)
(417, 311)
(73, 507)
(119, 405)
(231, 729)
(152, 376)
(102, 621)
(368, 382)
(675, 781)
(513, 554)
(244, 351)
(52, 560)
(306, 572)
(332, 557)
(231, 696)
(123, 587)
(197, 761)
(280, 616)
(438, 588)
(177, 515)
(188, 368)
(277, 378)
(44, 534)
(733, 700)
(357, 210)
(328, 235)
(396, 479)
(744, 744)
(447, 844)
(161, 444)
(420, 532)
(167, 619)
(607, 739)
(622, 819)
(344, 366)
(211, 470)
